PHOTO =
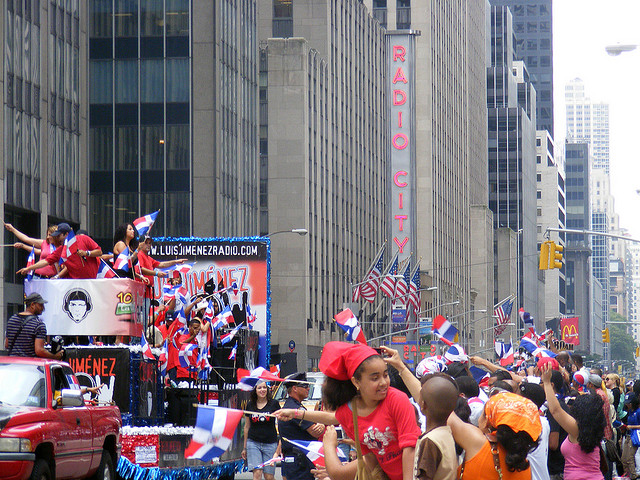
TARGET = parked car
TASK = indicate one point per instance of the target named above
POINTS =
(316, 379)
(47, 430)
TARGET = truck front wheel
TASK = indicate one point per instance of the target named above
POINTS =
(41, 470)
(105, 471)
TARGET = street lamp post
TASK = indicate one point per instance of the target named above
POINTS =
(615, 50)
(300, 231)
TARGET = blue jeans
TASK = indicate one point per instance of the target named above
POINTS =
(258, 453)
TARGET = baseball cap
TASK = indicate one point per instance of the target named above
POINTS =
(61, 228)
(34, 298)
(299, 376)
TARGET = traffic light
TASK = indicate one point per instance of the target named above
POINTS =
(544, 255)
(555, 255)
(605, 336)
(638, 351)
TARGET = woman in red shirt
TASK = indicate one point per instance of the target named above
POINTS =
(387, 428)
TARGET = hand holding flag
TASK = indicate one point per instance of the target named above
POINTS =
(144, 223)
(31, 259)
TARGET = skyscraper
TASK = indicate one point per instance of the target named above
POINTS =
(511, 99)
(45, 115)
(533, 29)
(173, 116)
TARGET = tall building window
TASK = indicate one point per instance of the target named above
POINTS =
(403, 14)
(282, 18)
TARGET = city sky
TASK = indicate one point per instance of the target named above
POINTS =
(582, 29)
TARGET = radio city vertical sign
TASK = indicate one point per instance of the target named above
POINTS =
(401, 146)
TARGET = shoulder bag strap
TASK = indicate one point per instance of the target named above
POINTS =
(361, 467)
(15, 337)
(496, 458)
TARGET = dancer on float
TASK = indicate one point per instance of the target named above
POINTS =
(387, 429)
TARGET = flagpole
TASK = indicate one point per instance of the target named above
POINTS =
(375, 260)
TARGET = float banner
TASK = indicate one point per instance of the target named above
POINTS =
(111, 306)
(239, 268)
(95, 366)
(570, 329)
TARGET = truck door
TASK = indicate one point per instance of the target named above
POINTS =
(73, 448)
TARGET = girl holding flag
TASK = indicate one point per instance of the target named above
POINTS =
(358, 387)
(260, 436)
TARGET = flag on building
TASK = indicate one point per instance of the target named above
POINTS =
(146, 349)
(503, 315)
(144, 224)
(122, 260)
(348, 322)
(31, 259)
(413, 298)
(314, 451)
(213, 433)
(388, 284)
(369, 287)
(505, 353)
(444, 329)
(402, 284)
(227, 337)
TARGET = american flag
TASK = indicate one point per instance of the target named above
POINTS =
(388, 285)
(503, 315)
(413, 299)
(402, 285)
(369, 287)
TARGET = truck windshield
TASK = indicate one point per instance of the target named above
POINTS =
(27, 385)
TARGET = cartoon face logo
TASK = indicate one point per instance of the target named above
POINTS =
(77, 304)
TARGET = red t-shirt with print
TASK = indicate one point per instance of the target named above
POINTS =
(387, 430)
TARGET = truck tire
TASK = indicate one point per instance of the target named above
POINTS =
(41, 470)
(106, 470)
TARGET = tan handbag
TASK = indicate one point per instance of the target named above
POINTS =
(364, 473)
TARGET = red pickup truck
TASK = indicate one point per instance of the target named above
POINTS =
(47, 430)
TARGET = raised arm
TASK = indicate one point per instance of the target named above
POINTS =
(413, 384)
(34, 242)
(565, 420)
(468, 436)
(325, 418)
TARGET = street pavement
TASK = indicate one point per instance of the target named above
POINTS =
(249, 475)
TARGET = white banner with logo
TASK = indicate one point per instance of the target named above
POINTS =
(112, 306)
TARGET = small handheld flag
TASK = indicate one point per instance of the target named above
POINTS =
(444, 329)
(146, 349)
(234, 351)
(226, 338)
(314, 451)
(144, 224)
(122, 261)
(213, 433)
(248, 380)
(348, 322)
(31, 259)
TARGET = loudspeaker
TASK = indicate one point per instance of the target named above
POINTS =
(288, 363)
(225, 367)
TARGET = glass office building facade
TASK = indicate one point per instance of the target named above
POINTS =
(533, 29)
(139, 117)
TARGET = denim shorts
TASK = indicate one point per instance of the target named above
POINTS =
(258, 453)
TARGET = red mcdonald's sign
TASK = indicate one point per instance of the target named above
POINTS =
(570, 330)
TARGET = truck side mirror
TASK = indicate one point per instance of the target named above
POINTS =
(72, 398)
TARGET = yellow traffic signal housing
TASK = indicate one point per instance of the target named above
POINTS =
(555, 255)
(638, 351)
(605, 336)
(544, 255)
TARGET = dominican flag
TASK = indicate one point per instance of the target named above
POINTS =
(348, 322)
(444, 330)
(144, 224)
(543, 336)
(505, 353)
(503, 315)
(163, 359)
(227, 337)
(208, 313)
(314, 451)
(388, 285)
(268, 463)
(183, 269)
(234, 351)
(531, 344)
(31, 259)
(146, 349)
(70, 247)
(275, 370)
(402, 285)
(213, 433)
(104, 270)
(251, 317)
(188, 355)
(480, 376)
(248, 380)
(122, 260)
(222, 319)
(527, 319)
(369, 287)
(413, 299)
